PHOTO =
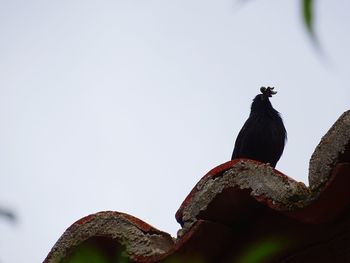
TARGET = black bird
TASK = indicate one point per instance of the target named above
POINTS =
(263, 135)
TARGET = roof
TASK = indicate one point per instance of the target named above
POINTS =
(240, 211)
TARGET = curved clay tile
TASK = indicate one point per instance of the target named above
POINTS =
(108, 231)
(241, 211)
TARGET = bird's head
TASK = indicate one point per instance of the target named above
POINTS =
(267, 92)
(261, 102)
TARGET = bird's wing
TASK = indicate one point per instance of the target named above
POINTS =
(240, 139)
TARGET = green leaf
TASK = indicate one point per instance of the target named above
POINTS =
(86, 254)
(95, 251)
(308, 17)
(263, 250)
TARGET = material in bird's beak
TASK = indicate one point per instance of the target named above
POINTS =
(269, 91)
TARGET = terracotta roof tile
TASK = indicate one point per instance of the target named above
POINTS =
(241, 211)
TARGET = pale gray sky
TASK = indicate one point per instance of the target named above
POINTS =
(125, 105)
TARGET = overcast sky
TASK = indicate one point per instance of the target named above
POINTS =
(124, 105)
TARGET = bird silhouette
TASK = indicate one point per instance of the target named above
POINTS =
(263, 135)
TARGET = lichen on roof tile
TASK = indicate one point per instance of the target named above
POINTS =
(328, 151)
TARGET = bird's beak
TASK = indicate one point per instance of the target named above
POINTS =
(272, 93)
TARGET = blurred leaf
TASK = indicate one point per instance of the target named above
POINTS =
(7, 214)
(263, 250)
(307, 8)
(96, 251)
(309, 23)
(86, 254)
